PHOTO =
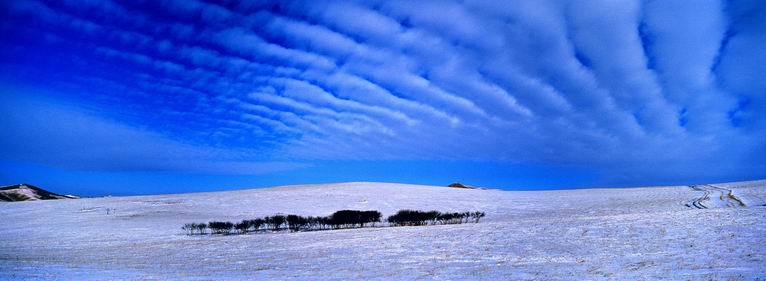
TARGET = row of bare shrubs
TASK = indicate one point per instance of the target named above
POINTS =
(338, 220)
(414, 218)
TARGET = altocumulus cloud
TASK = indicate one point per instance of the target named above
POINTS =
(636, 88)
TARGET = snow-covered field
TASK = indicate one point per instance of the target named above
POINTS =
(703, 232)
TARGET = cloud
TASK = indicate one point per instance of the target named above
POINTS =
(685, 45)
(741, 61)
(248, 44)
(599, 84)
(67, 137)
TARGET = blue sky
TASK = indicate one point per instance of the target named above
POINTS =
(138, 97)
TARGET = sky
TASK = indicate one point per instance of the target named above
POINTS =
(106, 97)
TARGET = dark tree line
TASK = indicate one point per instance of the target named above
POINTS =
(339, 220)
(414, 218)
(353, 219)
(220, 227)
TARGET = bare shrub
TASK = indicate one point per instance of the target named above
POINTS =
(218, 227)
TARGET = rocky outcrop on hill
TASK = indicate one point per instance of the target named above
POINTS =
(28, 192)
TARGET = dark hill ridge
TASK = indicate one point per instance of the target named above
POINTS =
(28, 192)
(460, 185)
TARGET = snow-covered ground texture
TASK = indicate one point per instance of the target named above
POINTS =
(678, 233)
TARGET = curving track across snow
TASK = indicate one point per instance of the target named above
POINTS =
(714, 197)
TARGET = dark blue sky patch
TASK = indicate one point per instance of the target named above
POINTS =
(682, 118)
(646, 45)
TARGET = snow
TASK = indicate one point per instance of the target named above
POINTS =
(629, 233)
(27, 193)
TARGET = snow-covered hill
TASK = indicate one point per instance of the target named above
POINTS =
(28, 192)
(680, 232)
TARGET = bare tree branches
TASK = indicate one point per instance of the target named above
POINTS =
(339, 220)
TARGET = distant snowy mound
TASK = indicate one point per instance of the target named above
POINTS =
(460, 185)
(28, 192)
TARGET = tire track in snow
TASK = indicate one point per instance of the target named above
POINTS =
(697, 203)
(714, 197)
